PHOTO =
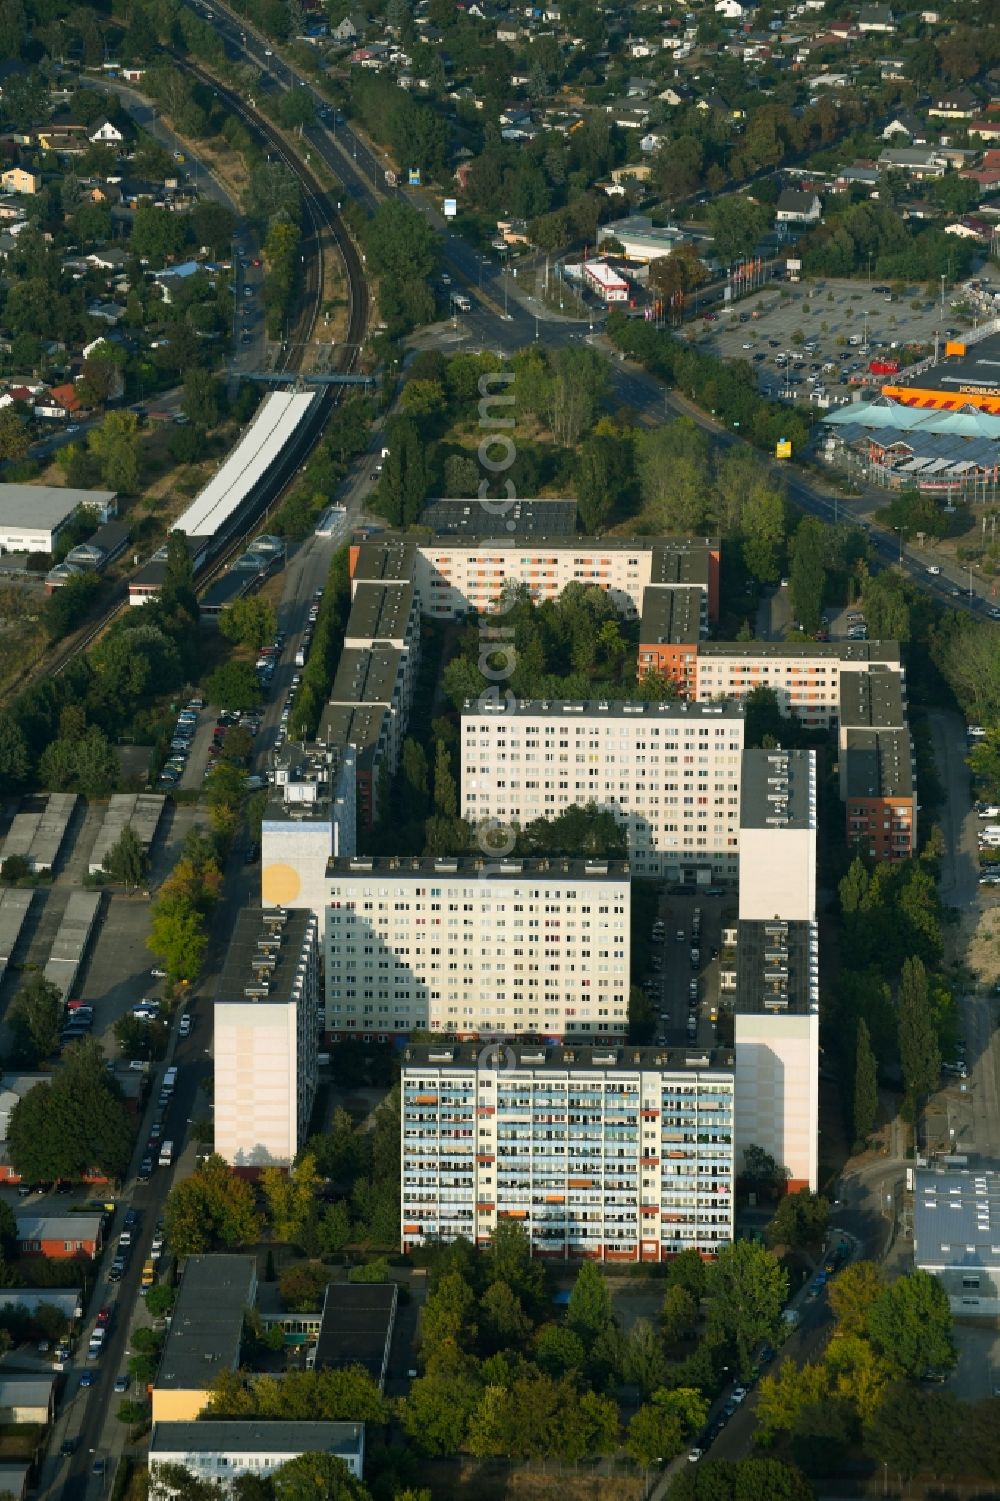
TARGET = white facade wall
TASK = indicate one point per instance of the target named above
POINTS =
(266, 1071)
(452, 579)
(220, 1467)
(616, 1163)
(777, 874)
(806, 686)
(500, 951)
(670, 774)
(777, 1090)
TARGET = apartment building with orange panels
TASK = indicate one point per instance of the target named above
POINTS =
(608, 1154)
(458, 575)
(877, 778)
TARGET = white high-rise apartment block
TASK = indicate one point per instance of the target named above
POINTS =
(266, 1033)
(776, 981)
(670, 773)
(478, 948)
(616, 1154)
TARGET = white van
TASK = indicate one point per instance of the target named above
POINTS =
(166, 1153)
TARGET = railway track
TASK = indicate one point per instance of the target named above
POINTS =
(323, 222)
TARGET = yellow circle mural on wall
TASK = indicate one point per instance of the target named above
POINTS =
(279, 885)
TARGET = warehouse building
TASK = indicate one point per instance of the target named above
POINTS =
(613, 1154)
(956, 1236)
(205, 1335)
(32, 516)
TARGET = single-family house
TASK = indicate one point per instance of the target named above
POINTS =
(985, 130)
(65, 142)
(919, 164)
(26, 1399)
(60, 1236)
(107, 134)
(675, 94)
(860, 175)
(954, 104)
(133, 74)
(107, 259)
(968, 228)
(652, 141)
(877, 18)
(907, 125)
(628, 116)
(795, 207)
(21, 180)
(58, 402)
(350, 30)
(732, 10)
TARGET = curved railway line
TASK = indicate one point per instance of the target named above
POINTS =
(323, 223)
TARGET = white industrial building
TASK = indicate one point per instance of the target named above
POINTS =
(32, 516)
(956, 1236)
(266, 1033)
(670, 774)
(614, 1154)
(478, 948)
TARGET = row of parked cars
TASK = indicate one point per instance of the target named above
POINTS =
(181, 741)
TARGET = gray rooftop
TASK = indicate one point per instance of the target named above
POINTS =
(306, 781)
(265, 955)
(367, 675)
(58, 1227)
(362, 726)
(519, 518)
(600, 1059)
(38, 831)
(423, 867)
(674, 709)
(388, 558)
(14, 904)
(956, 1218)
(207, 1326)
(46, 505)
(357, 1326)
(878, 763)
(380, 612)
(672, 615)
(973, 373)
(254, 1436)
(871, 699)
(683, 560)
(809, 651)
(777, 967)
(139, 811)
(779, 789)
(70, 942)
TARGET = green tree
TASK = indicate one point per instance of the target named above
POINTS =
(919, 1054)
(737, 224)
(603, 475)
(317, 1476)
(250, 621)
(302, 1286)
(448, 1316)
(654, 1435)
(68, 1127)
(800, 1222)
(160, 1299)
(807, 572)
(36, 1016)
(741, 1480)
(15, 758)
(201, 400)
(15, 439)
(865, 1087)
(559, 1350)
(126, 860)
(234, 685)
(435, 1414)
(509, 1260)
(212, 1207)
(178, 935)
(502, 1320)
(400, 244)
(851, 1296)
(910, 1324)
(748, 1288)
(687, 1270)
(445, 791)
(589, 1311)
(115, 444)
(292, 1199)
(678, 1314)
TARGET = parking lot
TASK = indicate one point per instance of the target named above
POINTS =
(673, 970)
(827, 314)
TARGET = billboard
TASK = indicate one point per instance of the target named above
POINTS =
(390, 178)
(414, 177)
(783, 449)
(450, 207)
